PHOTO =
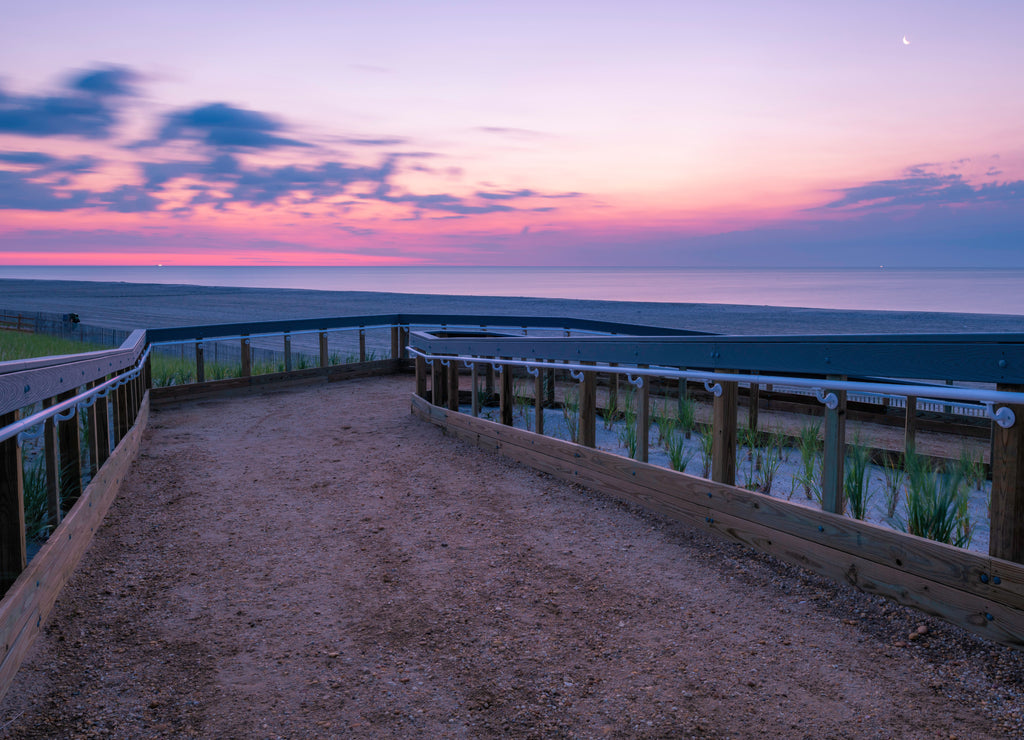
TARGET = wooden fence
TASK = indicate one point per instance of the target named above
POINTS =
(982, 593)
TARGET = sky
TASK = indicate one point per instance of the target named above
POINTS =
(409, 132)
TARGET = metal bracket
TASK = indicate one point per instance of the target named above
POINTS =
(65, 415)
(830, 399)
(576, 375)
(713, 388)
(1003, 416)
(638, 380)
(534, 371)
(27, 435)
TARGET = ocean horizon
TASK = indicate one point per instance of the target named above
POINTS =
(957, 290)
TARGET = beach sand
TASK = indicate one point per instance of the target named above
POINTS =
(134, 306)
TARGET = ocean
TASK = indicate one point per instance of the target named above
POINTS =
(958, 290)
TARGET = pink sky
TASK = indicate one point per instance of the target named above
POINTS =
(530, 133)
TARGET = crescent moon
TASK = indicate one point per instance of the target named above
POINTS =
(905, 42)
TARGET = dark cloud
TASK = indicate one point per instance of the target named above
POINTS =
(224, 126)
(18, 192)
(506, 195)
(87, 108)
(127, 199)
(367, 141)
(923, 187)
(26, 158)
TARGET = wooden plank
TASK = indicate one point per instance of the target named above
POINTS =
(538, 402)
(723, 446)
(92, 423)
(833, 455)
(991, 580)
(102, 448)
(287, 353)
(643, 419)
(1006, 539)
(453, 385)
(396, 352)
(324, 355)
(362, 345)
(588, 409)
(506, 400)
(51, 466)
(12, 508)
(421, 377)
(403, 342)
(437, 383)
(910, 426)
(991, 620)
(245, 351)
(475, 383)
(19, 389)
(753, 407)
(200, 363)
(27, 604)
(70, 455)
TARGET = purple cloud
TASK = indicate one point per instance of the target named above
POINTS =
(86, 109)
(224, 126)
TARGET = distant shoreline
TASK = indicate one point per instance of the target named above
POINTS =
(142, 305)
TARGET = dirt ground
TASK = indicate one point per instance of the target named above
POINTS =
(317, 563)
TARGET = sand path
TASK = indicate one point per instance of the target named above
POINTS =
(316, 562)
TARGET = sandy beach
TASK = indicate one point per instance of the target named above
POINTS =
(133, 306)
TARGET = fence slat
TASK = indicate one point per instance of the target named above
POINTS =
(723, 447)
(1006, 539)
(12, 508)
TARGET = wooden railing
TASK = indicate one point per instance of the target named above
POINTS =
(981, 593)
(108, 394)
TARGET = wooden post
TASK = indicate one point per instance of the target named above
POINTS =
(538, 402)
(395, 352)
(506, 399)
(489, 372)
(682, 396)
(549, 391)
(474, 374)
(246, 356)
(92, 427)
(910, 430)
(12, 508)
(437, 383)
(753, 408)
(588, 409)
(611, 408)
(723, 441)
(70, 454)
(200, 363)
(453, 385)
(643, 419)
(833, 455)
(52, 469)
(1006, 539)
(102, 428)
(421, 377)
(324, 357)
(403, 342)
(362, 345)
(287, 352)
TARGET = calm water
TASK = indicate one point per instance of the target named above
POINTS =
(959, 290)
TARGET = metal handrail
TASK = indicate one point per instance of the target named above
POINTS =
(824, 389)
(22, 426)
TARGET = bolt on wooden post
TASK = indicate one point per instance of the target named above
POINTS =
(1006, 539)
(833, 454)
(723, 440)
(588, 408)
